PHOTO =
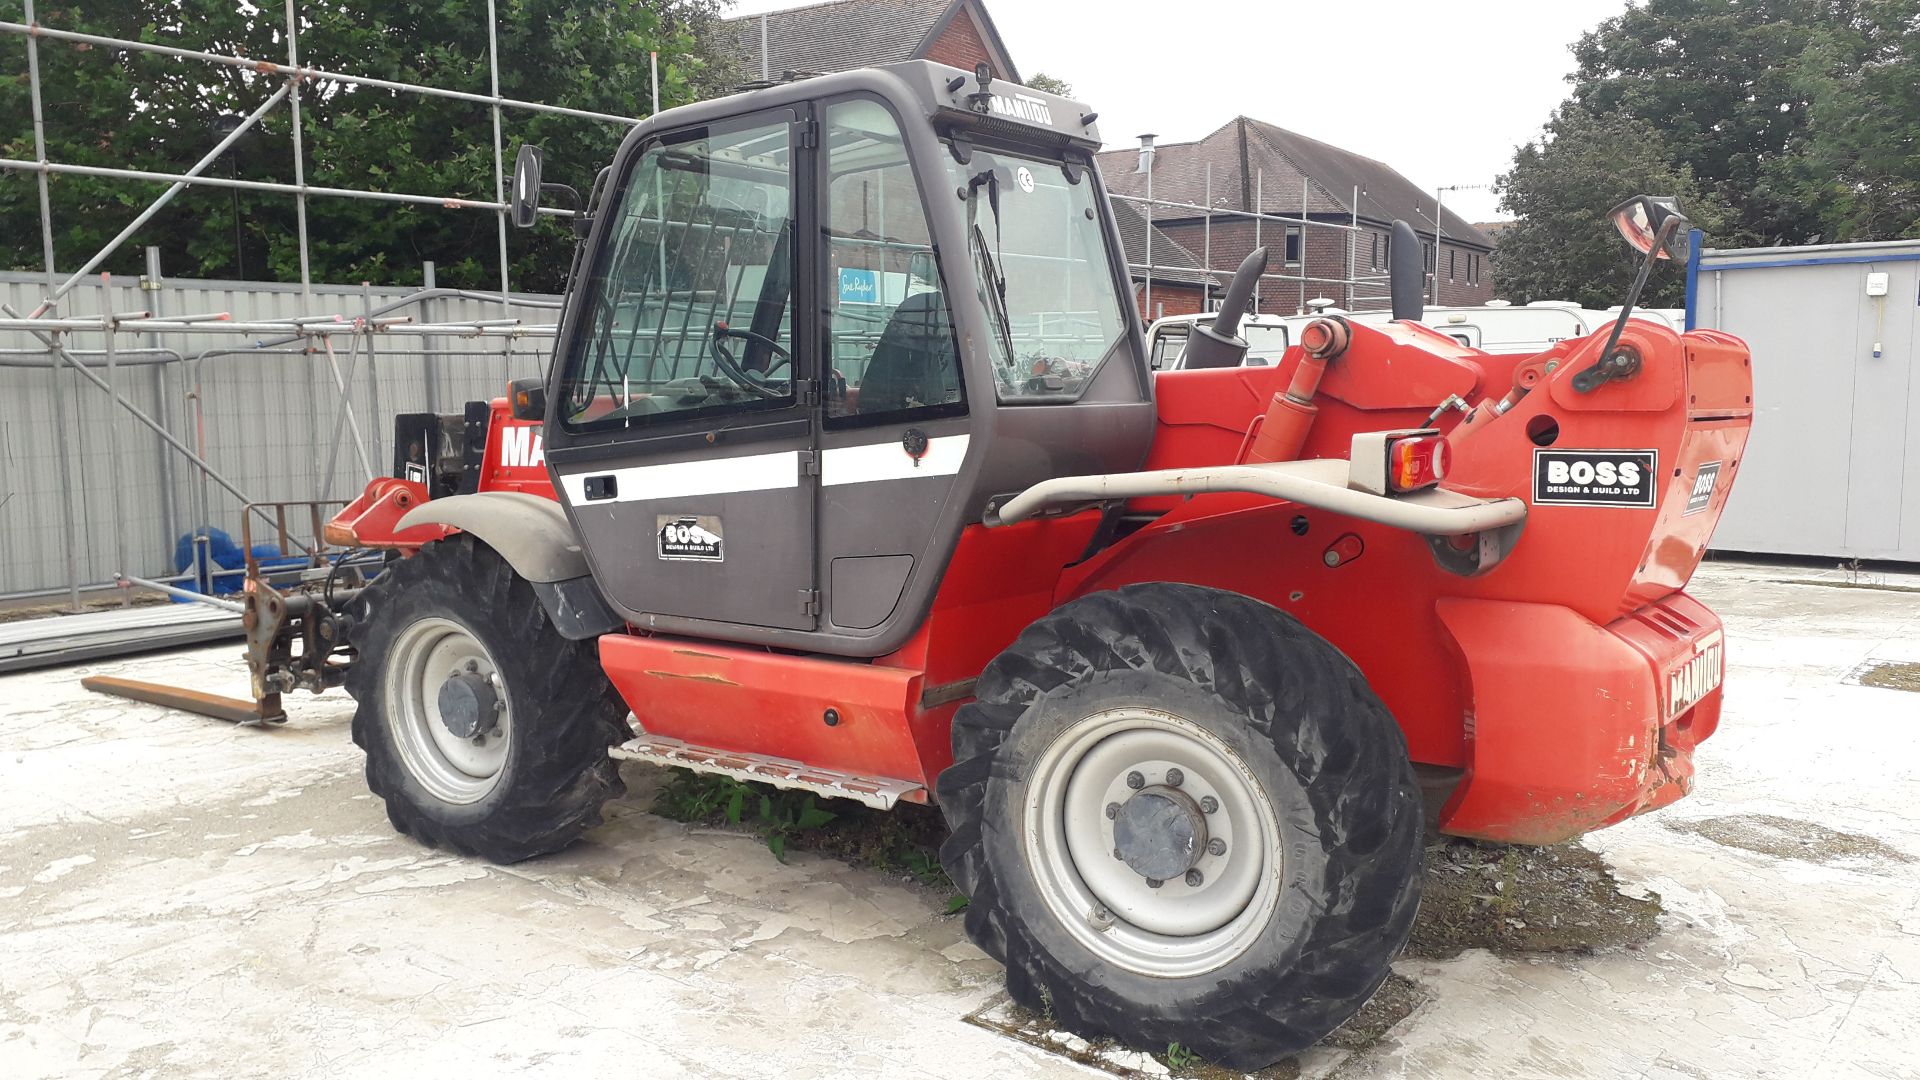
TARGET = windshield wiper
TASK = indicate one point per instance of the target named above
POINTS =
(984, 258)
(996, 292)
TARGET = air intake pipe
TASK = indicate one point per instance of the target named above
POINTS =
(1407, 274)
(1221, 345)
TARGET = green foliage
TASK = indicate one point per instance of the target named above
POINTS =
(1802, 116)
(1561, 247)
(143, 111)
(905, 840)
(1773, 121)
(1857, 163)
(1047, 84)
(1180, 1057)
(779, 814)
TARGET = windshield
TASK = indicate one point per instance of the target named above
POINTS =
(1046, 280)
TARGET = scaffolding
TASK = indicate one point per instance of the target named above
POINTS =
(344, 346)
(1356, 291)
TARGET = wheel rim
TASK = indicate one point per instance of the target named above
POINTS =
(426, 655)
(1190, 923)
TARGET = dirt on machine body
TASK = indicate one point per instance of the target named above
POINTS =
(851, 474)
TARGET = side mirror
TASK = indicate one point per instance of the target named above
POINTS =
(1653, 224)
(528, 398)
(524, 200)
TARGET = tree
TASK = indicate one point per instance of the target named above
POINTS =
(1856, 163)
(1799, 114)
(144, 111)
(1047, 84)
(1560, 187)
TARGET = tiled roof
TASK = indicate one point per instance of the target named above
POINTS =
(840, 35)
(1171, 261)
(1289, 170)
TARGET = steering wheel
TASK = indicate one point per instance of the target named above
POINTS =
(757, 384)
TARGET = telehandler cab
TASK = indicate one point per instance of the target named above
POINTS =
(850, 475)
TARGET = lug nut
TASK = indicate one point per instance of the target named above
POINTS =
(1194, 878)
(473, 665)
(1175, 778)
(1136, 781)
(1216, 846)
(1154, 883)
(1113, 810)
(1208, 804)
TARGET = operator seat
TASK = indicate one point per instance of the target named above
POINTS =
(914, 363)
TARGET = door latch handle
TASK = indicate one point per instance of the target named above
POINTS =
(601, 487)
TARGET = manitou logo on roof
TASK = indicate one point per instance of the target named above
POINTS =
(521, 447)
(1021, 107)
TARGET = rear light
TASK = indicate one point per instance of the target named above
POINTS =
(1417, 462)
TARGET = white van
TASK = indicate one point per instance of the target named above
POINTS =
(1504, 328)
(1267, 337)
(1491, 328)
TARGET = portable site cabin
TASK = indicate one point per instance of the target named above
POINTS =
(1833, 468)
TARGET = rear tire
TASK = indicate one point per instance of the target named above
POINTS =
(1299, 884)
(535, 778)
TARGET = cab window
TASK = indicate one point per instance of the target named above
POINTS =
(1043, 269)
(688, 310)
(892, 355)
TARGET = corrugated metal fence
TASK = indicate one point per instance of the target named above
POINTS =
(265, 416)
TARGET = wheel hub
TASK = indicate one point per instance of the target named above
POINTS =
(1160, 833)
(1152, 842)
(469, 705)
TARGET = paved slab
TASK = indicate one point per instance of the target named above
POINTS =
(179, 897)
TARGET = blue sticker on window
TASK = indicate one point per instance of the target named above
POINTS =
(859, 286)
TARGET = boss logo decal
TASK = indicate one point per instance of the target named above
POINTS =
(1704, 478)
(693, 537)
(1622, 478)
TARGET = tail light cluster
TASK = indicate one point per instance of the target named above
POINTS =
(1416, 462)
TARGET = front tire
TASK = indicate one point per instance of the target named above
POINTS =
(514, 764)
(1181, 816)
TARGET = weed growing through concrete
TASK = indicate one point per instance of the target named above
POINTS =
(904, 840)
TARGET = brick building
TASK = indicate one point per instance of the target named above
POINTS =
(1294, 176)
(844, 34)
(1182, 285)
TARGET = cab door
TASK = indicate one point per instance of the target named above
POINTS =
(895, 427)
(682, 434)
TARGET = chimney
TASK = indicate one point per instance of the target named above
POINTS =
(1146, 153)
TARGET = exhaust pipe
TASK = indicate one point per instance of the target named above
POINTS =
(1221, 345)
(1407, 274)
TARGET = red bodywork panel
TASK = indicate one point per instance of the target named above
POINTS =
(514, 460)
(516, 455)
(1546, 680)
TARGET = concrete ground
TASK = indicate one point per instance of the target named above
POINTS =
(183, 898)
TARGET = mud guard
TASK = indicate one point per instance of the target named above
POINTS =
(532, 534)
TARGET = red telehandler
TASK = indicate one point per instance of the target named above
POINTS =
(850, 475)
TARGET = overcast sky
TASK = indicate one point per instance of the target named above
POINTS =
(1442, 91)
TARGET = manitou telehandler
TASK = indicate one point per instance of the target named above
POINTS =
(850, 475)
